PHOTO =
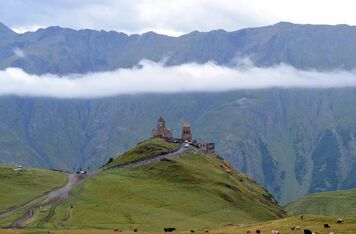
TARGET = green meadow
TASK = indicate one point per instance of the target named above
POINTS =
(337, 203)
(149, 147)
(19, 187)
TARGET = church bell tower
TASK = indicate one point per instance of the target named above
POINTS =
(186, 133)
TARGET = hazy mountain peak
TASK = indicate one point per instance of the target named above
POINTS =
(5, 30)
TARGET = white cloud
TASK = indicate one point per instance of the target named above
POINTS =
(19, 53)
(152, 77)
(26, 28)
(172, 16)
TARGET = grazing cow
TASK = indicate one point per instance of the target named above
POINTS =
(206, 230)
(248, 231)
(117, 230)
(169, 229)
(326, 225)
(135, 230)
(192, 231)
(339, 220)
(307, 231)
(275, 232)
(258, 231)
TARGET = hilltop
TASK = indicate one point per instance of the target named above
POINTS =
(143, 150)
(338, 203)
(194, 190)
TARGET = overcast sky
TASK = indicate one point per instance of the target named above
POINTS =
(173, 17)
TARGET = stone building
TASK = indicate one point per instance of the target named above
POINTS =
(161, 130)
(186, 132)
(207, 147)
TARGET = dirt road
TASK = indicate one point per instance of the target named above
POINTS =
(52, 199)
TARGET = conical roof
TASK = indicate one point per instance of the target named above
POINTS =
(161, 119)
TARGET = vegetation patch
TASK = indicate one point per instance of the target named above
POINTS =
(19, 187)
(149, 147)
(338, 203)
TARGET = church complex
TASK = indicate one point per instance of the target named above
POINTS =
(162, 131)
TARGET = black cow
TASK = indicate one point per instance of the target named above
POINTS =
(169, 229)
(326, 225)
(307, 231)
(258, 231)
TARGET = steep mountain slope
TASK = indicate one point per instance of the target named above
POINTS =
(62, 51)
(338, 203)
(172, 192)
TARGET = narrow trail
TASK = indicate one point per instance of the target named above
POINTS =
(53, 199)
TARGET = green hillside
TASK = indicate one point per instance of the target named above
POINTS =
(149, 147)
(338, 203)
(18, 187)
(193, 191)
(277, 136)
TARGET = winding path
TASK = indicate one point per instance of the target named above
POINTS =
(53, 199)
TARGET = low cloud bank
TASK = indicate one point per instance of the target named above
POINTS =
(150, 77)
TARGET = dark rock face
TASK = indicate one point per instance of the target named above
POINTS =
(62, 51)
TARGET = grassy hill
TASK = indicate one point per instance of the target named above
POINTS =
(149, 147)
(275, 136)
(190, 192)
(338, 203)
(18, 187)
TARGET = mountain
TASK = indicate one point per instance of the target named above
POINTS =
(292, 141)
(6, 32)
(338, 203)
(173, 192)
(61, 51)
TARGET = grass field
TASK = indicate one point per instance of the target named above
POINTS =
(338, 203)
(18, 187)
(311, 222)
(149, 147)
(191, 192)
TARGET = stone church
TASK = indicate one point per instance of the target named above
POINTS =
(161, 130)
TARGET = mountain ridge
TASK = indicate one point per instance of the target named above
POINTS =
(63, 51)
